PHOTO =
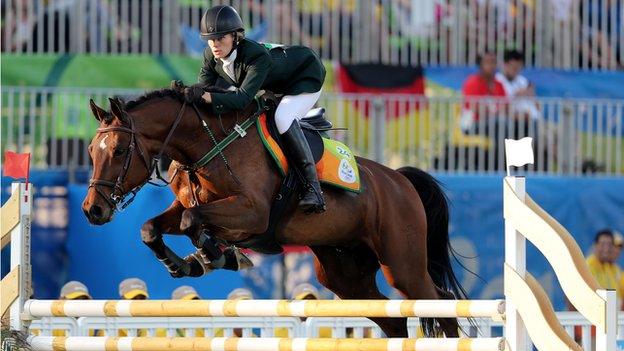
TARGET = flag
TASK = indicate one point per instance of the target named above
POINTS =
(382, 79)
(518, 152)
(16, 165)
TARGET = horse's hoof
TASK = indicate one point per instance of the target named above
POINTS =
(236, 259)
(176, 274)
(197, 267)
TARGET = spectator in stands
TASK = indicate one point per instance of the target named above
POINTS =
(480, 116)
(18, 21)
(136, 289)
(304, 291)
(73, 290)
(602, 27)
(133, 289)
(479, 85)
(523, 108)
(618, 243)
(601, 264)
(236, 294)
(240, 294)
(602, 267)
(186, 292)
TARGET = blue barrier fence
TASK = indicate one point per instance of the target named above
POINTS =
(66, 247)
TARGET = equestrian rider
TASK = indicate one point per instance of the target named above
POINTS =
(294, 71)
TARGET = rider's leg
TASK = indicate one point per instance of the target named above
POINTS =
(288, 112)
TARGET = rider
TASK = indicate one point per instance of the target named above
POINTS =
(294, 71)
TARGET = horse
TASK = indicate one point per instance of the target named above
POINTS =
(398, 222)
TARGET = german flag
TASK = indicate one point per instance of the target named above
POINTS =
(404, 111)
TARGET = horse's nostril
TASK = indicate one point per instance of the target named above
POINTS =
(95, 211)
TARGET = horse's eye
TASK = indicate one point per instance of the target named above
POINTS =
(119, 152)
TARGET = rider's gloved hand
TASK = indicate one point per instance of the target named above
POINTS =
(194, 93)
(176, 84)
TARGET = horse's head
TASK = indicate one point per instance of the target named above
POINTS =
(121, 164)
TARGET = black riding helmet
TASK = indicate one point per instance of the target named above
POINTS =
(219, 21)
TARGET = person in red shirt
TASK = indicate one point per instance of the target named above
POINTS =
(481, 84)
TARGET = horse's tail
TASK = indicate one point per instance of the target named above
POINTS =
(438, 244)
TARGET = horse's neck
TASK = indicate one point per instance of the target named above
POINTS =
(156, 120)
(189, 141)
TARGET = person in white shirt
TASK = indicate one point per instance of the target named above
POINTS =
(517, 86)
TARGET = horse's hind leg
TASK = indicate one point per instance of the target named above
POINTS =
(350, 273)
(403, 258)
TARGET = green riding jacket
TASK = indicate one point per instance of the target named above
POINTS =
(288, 70)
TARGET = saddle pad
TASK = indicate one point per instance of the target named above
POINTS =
(337, 167)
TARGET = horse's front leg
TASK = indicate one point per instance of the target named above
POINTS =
(235, 213)
(152, 235)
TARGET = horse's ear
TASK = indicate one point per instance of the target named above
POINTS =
(98, 112)
(116, 109)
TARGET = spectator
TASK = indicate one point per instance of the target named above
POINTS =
(136, 289)
(186, 292)
(481, 84)
(517, 86)
(480, 115)
(601, 263)
(304, 291)
(618, 243)
(240, 294)
(602, 267)
(73, 290)
(523, 108)
(603, 22)
(236, 294)
(17, 25)
(133, 289)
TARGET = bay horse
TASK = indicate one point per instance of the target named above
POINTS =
(398, 222)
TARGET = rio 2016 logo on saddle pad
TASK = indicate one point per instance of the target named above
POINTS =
(337, 166)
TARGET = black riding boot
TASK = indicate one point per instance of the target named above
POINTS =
(297, 147)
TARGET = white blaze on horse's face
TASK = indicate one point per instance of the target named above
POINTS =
(103, 142)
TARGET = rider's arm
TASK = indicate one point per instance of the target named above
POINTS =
(257, 68)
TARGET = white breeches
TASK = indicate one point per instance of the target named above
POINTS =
(293, 107)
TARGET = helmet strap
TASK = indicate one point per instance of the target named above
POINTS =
(234, 44)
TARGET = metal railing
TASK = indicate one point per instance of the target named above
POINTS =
(573, 322)
(443, 134)
(574, 34)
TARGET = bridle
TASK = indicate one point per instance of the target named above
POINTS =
(117, 199)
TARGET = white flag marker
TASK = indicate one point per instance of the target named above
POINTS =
(518, 152)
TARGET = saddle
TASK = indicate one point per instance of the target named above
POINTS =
(335, 163)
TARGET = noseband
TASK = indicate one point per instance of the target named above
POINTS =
(119, 194)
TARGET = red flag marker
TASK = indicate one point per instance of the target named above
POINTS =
(16, 166)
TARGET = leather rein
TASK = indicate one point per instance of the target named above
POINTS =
(119, 194)
(117, 199)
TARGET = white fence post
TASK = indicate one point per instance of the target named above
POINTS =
(515, 257)
(20, 255)
(605, 339)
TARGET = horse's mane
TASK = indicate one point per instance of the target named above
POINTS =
(176, 94)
